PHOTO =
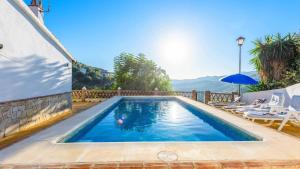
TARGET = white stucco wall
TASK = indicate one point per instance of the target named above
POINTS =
(32, 64)
(288, 92)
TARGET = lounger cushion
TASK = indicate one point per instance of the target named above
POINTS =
(263, 115)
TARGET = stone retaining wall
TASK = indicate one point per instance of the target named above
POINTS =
(17, 115)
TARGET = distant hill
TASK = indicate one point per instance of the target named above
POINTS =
(210, 83)
(90, 77)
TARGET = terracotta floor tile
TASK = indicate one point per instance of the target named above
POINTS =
(207, 165)
(105, 166)
(256, 164)
(52, 166)
(181, 166)
(5, 167)
(130, 166)
(25, 167)
(156, 166)
(78, 166)
(297, 163)
(233, 165)
(282, 165)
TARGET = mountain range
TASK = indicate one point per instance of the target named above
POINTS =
(210, 83)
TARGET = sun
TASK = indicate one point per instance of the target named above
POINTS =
(177, 52)
(175, 47)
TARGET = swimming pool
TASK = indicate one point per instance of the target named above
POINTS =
(134, 119)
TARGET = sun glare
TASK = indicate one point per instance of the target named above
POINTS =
(175, 49)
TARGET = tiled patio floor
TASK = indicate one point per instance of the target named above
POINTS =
(184, 165)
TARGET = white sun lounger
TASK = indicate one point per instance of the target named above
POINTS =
(276, 102)
(247, 107)
(237, 104)
(281, 114)
(258, 115)
(293, 112)
(234, 104)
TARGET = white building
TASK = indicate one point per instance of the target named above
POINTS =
(35, 68)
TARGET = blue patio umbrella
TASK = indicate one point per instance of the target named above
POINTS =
(239, 79)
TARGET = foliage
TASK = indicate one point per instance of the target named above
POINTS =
(90, 77)
(138, 73)
(277, 60)
(260, 87)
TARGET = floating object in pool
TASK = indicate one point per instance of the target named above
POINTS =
(123, 117)
(120, 121)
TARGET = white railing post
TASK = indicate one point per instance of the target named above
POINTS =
(119, 91)
(83, 90)
(156, 92)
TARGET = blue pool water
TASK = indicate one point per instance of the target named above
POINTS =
(156, 120)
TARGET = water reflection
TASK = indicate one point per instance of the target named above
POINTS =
(139, 115)
(156, 120)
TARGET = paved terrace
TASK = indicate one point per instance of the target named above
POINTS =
(42, 148)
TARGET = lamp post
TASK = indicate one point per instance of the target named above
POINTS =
(240, 40)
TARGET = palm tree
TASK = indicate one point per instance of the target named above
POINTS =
(275, 55)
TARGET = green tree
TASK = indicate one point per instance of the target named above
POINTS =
(138, 73)
(276, 59)
(90, 77)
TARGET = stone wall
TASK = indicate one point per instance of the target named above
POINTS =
(17, 115)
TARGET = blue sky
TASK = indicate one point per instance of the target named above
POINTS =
(188, 38)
